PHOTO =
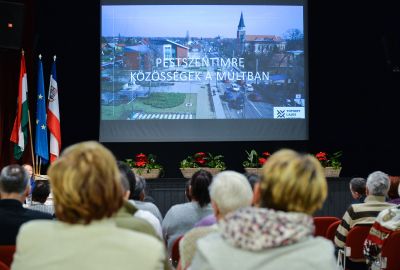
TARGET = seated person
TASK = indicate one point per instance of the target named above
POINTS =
(387, 222)
(126, 171)
(181, 218)
(365, 213)
(229, 191)
(14, 187)
(87, 192)
(39, 197)
(279, 232)
(358, 189)
(252, 178)
(139, 196)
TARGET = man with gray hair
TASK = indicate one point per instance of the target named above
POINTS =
(378, 184)
(14, 187)
(229, 191)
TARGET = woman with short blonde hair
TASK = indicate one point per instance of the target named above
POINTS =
(87, 191)
(293, 182)
(86, 184)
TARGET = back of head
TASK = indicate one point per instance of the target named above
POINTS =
(293, 182)
(13, 179)
(138, 194)
(378, 183)
(86, 183)
(199, 184)
(358, 185)
(129, 176)
(230, 191)
(41, 191)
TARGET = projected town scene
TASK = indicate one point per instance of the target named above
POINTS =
(202, 62)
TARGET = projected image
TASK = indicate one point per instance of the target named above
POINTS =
(202, 62)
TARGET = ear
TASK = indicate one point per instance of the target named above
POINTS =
(256, 195)
(141, 196)
(217, 213)
(127, 194)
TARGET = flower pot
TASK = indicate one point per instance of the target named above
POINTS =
(332, 172)
(188, 172)
(147, 174)
(256, 171)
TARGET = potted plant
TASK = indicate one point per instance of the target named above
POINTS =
(202, 160)
(331, 163)
(254, 161)
(145, 165)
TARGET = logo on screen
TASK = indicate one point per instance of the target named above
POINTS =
(289, 113)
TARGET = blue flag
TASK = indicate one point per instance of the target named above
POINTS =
(41, 143)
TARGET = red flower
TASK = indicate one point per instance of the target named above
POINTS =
(321, 156)
(201, 161)
(141, 160)
(140, 163)
(200, 155)
(266, 154)
(261, 161)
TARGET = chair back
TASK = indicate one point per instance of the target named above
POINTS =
(390, 252)
(355, 242)
(4, 266)
(7, 254)
(322, 224)
(331, 232)
(175, 256)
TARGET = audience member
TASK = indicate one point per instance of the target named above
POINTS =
(126, 171)
(181, 218)
(87, 192)
(29, 170)
(365, 213)
(229, 191)
(125, 216)
(278, 234)
(39, 197)
(393, 190)
(140, 194)
(358, 189)
(387, 222)
(14, 187)
(252, 178)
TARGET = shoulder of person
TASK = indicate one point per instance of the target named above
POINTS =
(35, 214)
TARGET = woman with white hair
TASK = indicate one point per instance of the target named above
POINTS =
(229, 192)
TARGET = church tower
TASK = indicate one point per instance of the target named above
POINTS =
(241, 35)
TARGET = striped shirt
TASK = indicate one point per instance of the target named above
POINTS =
(361, 213)
(42, 207)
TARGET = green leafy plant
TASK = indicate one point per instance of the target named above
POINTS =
(144, 162)
(330, 160)
(202, 159)
(254, 160)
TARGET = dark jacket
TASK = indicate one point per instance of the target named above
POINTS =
(12, 216)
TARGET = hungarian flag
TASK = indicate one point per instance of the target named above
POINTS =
(41, 143)
(19, 134)
(53, 115)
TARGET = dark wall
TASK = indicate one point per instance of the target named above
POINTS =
(353, 95)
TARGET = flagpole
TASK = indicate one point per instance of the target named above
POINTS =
(30, 138)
